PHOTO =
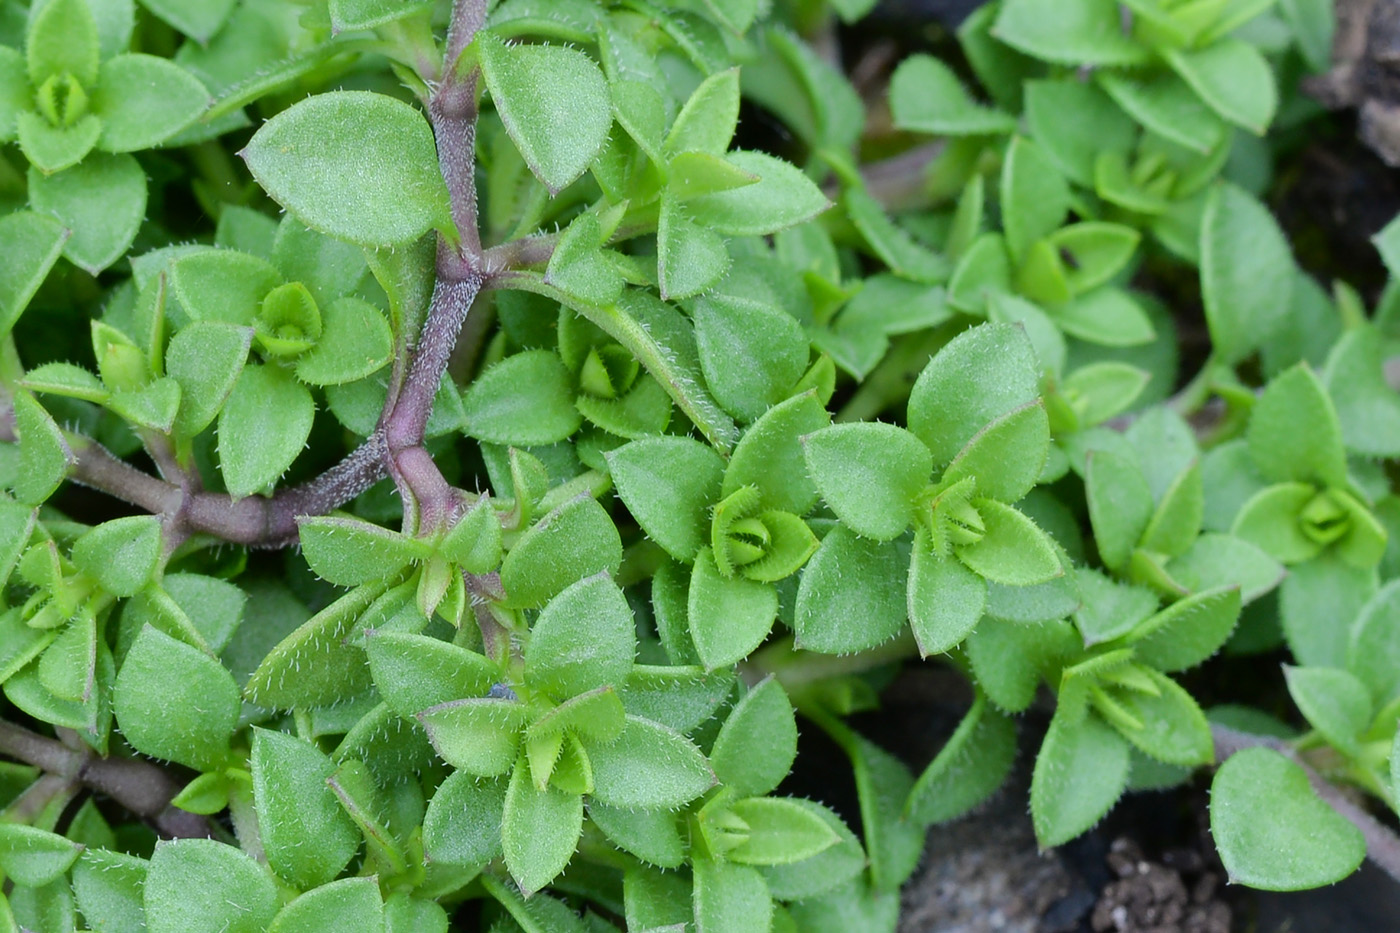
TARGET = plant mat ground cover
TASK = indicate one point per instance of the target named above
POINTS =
(459, 457)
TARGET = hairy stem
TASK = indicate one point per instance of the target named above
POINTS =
(1382, 845)
(142, 787)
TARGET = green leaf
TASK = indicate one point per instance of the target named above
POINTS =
(1177, 519)
(585, 638)
(315, 665)
(869, 474)
(707, 120)
(695, 173)
(198, 21)
(576, 540)
(1272, 830)
(102, 201)
(581, 267)
(851, 595)
(175, 702)
(1374, 648)
(413, 672)
(1068, 32)
(771, 458)
(1099, 391)
(1074, 145)
(1165, 724)
(752, 354)
(1367, 407)
(1012, 550)
(355, 342)
(143, 100)
(1294, 434)
(121, 554)
(1313, 598)
(1007, 456)
(54, 148)
(463, 822)
(1099, 251)
(730, 898)
(980, 375)
(478, 735)
(526, 400)
(554, 103)
(968, 769)
(354, 165)
(946, 599)
(669, 484)
(1166, 105)
(349, 15)
(343, 906)
(1233, 79)
(782, 197)
(648, 766)
(16, 524)
(926, 97)
(757, 744)
(1120, 505)
(1334, 701)
(1107, 316)
(779, 831)
(348, 552)
(890, 242)
(205, 358)
(1034, 196)
(263, 426)
(1188, 631)
(729, 616)
(44, 455)
(1272, 521)
(204, 886)
(651, 835)
(1313, 25)
(108, 887)
(30, 244)
(1215, 560)
(1246, 272)
(34, 857)
(294, 805)
(62, 39)
(1080, 773)
(15, 94)
(223, 285)
(822, 872)
(540, 830)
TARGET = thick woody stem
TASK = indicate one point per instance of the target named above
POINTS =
(142, 787)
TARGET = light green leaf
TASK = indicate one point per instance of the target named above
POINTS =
(478, 735)
(1166, 724)
(1246, 272)
(781, 197)
(30, 244)
(1034, 196)
(223, 285)
(294, 804)
(413, 672)
(34, 857)
(770, 456)
(648, 766)
(1188, 631)
(316, 665)
(1271, 520)
(651, 835)
(1007, 456)
(1166, 105)
(554, 103)
(143, 100)
(344, 906)
(355, 342)
(585, 638)
(851, 596)
(946, 599)
(1074, 145)
(62, 39)
(575, 541)
(890, 242)
(780, 831)
(752, 353)
(526, 400)
(175, 702)
(204, 886)
(199, 21)
(730, 898)
(729, 616)
(348, 552)
(355, 165)
(926, 97)
(102, 201)
(205, 358)
(44, 455)
(968, 769)
(1223, 560)
(1068, 32)
(463, 822)
(1271, 829)
(691, 258)
(980, 375)
(706, 123)
(1079, 775)
(1012, 550)
(757, 744)
(367, 14)
(1367, 407)
(1099, 391)
(121, 554)
(1294, 434)
(1107, 316)
(669, 484)
(108, 887)
(870, 475)
(1233, 79)
(540, 830)
(263, 426)
(1373, 652)
(1120, 505)
(1334, 701)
